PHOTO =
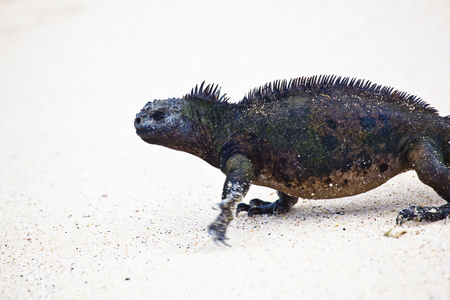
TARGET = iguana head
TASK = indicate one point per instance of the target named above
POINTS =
(161, 122)
(185, 124)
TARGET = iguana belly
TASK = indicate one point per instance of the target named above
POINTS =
(335, 184)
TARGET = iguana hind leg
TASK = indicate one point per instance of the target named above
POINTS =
(427, 159)
(259, 207)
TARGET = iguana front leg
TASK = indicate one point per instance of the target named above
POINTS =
(240, 173)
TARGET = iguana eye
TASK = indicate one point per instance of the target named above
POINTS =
(158, 115)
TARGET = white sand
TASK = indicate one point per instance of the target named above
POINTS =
(85, 204)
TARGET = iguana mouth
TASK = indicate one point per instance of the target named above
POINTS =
(151, 132)
(145, 132)
(142, 132)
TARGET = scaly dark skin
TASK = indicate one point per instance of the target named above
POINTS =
(312, 137)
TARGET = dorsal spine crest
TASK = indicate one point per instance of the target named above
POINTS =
(210, 93)
(279, 89)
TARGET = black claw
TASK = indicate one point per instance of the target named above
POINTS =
(399, 219)
(242, 207)
(220, 242)
(252, 212)
(405, 215)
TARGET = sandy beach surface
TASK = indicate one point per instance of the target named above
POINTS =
(90, 211)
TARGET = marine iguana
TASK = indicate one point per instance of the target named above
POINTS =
(314, 137)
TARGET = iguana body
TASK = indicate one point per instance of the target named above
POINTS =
(311, 137)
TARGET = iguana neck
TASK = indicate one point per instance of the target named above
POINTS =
(203, 119)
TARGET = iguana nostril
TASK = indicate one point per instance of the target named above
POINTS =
(137, 121)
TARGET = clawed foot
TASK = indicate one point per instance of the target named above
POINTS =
(217, 233)
(423, 213)
(259, 207)
(218, 228)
